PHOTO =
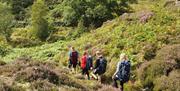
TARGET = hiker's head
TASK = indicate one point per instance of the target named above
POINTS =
(123, 56)
(85, 53)
(72, 48)
(98, 54)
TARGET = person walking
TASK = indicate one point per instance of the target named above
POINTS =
(84, 66)
(122, 73)
(89, 64)
(100, 66)
(73, 59)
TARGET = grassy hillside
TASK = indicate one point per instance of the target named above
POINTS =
(150, 36)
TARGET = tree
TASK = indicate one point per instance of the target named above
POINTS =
(6, 21)
(94, 12)
(19, 8)
(40, 26)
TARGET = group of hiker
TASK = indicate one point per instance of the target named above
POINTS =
(98, 67)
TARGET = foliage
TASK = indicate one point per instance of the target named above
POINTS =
(166, 61)
(149, 36)
(19, 8)
(91, 11)
(6, 21)
(108, 88)
(168, 83)
(4, 50)
(36, 75)
(22, 38)
(40, 27)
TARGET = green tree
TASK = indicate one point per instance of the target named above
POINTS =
(40, 26)
(6, 21)
(19, 8)
(94, 12)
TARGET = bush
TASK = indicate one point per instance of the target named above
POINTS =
(43, 85)
(40, 25)
(6, 22)
(4, 50)
(133, 86)
(3, 86)
(168, 83)
(40, 75)
(149, 51)
(2, 62)
(21, 37)
(92, 12)
(108, 88)
(165, 62)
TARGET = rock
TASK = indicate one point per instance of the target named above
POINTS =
(144, 16)
(172, 3)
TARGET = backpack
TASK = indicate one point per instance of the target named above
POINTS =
(74, 57)
(83, 62)
(124, 71)
(89, 62)
(102, 66)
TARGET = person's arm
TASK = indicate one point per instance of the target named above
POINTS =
(91, 63)
(78, 56)
(117, 69)
(69, 55)
(96, 64)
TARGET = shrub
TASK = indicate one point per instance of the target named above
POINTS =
(21, 37)
(149, 51)
(168, 83)
(167, 60)
(92, 12)
(40, 26)
(133, 86)
(43, 85)
(108, 88)
(41, 75)
(2, 62)
(19, 8)
(34, 73)
(3, 86)
(6, 22)
(4, 49)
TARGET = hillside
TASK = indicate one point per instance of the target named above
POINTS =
(149, 34)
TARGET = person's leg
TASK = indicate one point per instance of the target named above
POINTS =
(74, 67)
(115, 84)
(87, 73)
(69, 64)
(94, 74)
(122, 85)
(99, 77)
(82, 71)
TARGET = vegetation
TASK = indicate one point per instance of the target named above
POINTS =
(35, 48)
(6, 21)
(40, 27)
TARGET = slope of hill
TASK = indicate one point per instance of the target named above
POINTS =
(144, 35)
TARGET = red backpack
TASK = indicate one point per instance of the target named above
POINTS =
(83, 61)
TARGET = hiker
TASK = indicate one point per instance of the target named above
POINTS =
(100, 66)
(73, 58)
(89, 61)
(122, 73)
(84, 64)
